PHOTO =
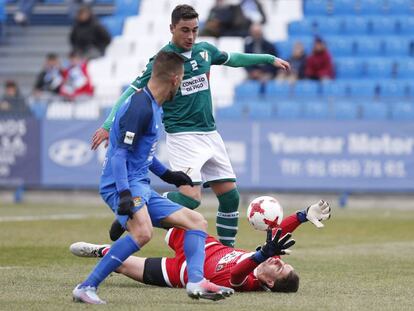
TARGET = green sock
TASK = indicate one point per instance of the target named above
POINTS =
(228, 217)
(183, 200)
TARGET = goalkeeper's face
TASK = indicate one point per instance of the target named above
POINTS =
(184, 33)
(272, 270)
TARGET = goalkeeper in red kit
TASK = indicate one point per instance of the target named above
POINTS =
(223, 265)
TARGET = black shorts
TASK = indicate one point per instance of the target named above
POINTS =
(153, 272)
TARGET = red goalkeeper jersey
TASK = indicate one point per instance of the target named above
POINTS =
(221, 265)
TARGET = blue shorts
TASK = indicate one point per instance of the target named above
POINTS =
(158, 207)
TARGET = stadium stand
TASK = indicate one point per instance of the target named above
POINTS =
(370, 41)
(372, 50)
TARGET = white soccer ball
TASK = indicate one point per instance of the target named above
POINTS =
(265, 213)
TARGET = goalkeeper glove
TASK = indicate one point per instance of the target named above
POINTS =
(274, 247)
(177, 178)
(315, 213)
(126, 204)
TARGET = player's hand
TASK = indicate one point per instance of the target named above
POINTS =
(126, 204)
(318, 212)
(100, 135)
(177, 178)
(280, 63)
(278, 245)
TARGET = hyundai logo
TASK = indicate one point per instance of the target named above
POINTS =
(70, 152)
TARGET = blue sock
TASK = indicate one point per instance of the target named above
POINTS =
(194, 242)
(119, 252)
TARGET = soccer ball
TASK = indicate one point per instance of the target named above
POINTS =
(265, 213)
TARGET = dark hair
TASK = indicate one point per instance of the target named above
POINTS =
(51, 56)
(183, 11)
(10, 83)
(74, 53)
(166, 64)
(290, 284)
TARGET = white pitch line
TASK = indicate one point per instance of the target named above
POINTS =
(67, 217)
(50, 217)
(9, 267)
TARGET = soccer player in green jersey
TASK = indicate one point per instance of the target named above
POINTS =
(193, 143)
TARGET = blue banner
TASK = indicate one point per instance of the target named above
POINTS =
(277, 155)
(67, 159)
(19, 152)
(325, 155)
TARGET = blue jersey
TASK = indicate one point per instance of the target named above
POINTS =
(132, 143)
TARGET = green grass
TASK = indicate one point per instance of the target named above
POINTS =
(361, 260)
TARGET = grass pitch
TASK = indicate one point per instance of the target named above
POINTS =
(361, 260)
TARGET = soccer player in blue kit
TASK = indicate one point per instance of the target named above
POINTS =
(125, 187)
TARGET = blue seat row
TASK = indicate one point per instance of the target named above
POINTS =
(123, 8)
(2, 11)
(375, 68)
(362, 7)
(314, 110)
(351, 25)
(387, 89)
(354, 45)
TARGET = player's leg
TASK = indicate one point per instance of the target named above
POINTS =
(227, 214)
(219, 175)
(140, 228)
(163, 272)
(187, 153)
(168, 213)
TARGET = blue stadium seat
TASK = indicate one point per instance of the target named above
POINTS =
(347, 68)
(379, 68)
(231, 112)
(301, 28)
(396, 46)
(335, 88)
(247, 90)
(393, 89)
(343, 7)
(39, 110)
(114, 24)
(288, 110)
(105, 1)
(316, 110)
(306, 89)
(383, 26)
(277, 89)
(374, 7)
(400, 7)
(363, 88)
(405, 68)
(327, 26)
(354, 25)
(340, 46)
(402, 111)
(284, 48)
(374, 111)
(369, 46)
(345, 111)
(405, 25)
(315, 7)
(410, 87)
(2, 11)
(127, 7)
(54, 1)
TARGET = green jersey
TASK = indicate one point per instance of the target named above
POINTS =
(191, 110)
